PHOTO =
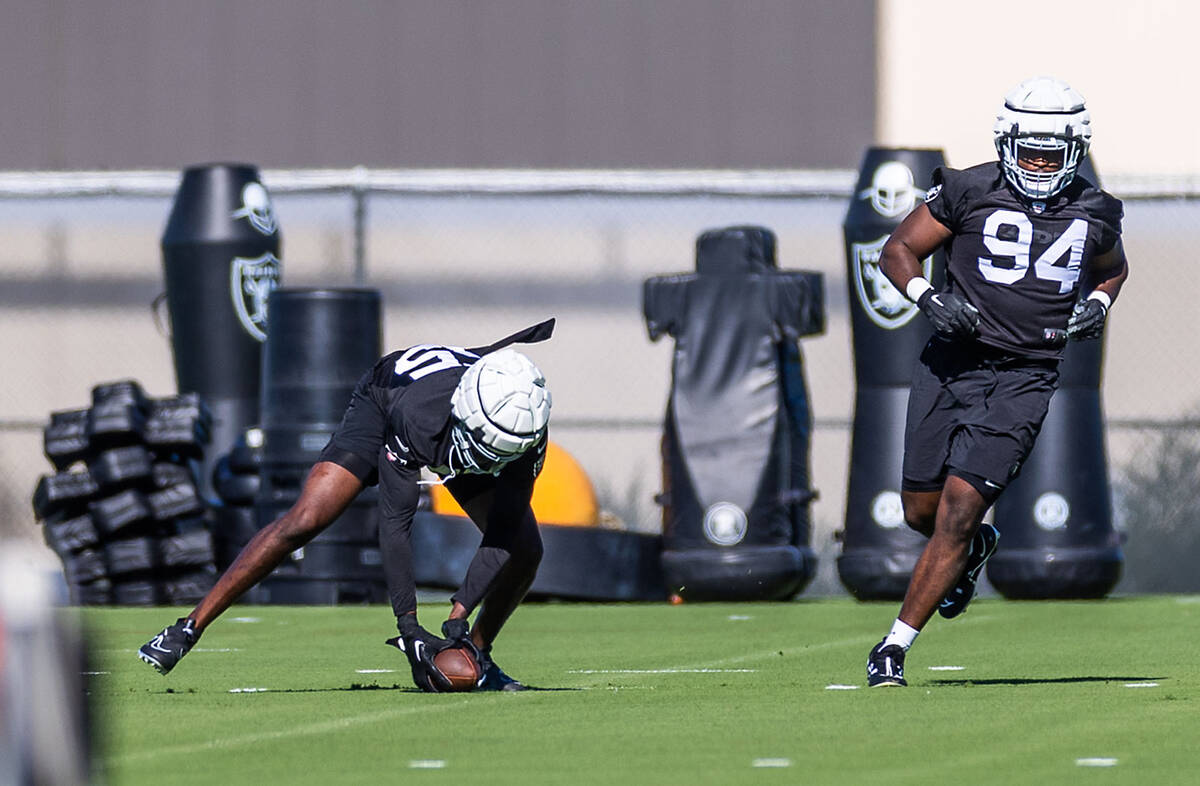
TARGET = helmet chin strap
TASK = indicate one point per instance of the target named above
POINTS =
(460, 461)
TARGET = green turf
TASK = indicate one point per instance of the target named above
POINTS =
(720, 687)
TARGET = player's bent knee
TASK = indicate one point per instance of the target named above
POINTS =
(298, 527)
(921, 523)
(530, 553)
(920, 510)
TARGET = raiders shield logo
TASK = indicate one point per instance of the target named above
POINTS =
(883, 303)
(251, 280)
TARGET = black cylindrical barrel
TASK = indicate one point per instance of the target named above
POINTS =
(221, 249)
(878, 550)
(320, 343)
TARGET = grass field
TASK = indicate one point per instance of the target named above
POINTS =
(1011, 693)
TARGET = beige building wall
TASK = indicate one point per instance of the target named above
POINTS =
(945, 65)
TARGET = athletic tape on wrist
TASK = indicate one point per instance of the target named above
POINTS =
(917, 286)
(1102, 297)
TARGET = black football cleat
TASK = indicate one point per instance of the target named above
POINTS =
(493, 677)
(168, 648)
(885, 666)
(983, 545)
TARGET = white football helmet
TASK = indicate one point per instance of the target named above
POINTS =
(1047, 117)
(501, 408)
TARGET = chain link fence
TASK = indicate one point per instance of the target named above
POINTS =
(465, 257)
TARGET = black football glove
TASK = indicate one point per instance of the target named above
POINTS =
(419, 646)
(458, 634)
(952, 317)
(1087, 320)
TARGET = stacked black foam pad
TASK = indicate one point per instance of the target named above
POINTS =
(236, 481)
(122, 509)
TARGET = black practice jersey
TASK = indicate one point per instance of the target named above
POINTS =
(400, 412)
(1020, 266)
(414, 387)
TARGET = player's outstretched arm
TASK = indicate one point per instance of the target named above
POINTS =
(326, 493)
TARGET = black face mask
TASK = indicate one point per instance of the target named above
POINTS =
(469, 455)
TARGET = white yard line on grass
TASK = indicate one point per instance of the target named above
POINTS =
(725, 664)
(307, 730)
(427, 764)
(864, 640)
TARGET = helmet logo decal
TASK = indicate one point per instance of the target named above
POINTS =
(892, 192)
(885, 305)
(250, 281)
(256, 208)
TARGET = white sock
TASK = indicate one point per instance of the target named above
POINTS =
(901, 634)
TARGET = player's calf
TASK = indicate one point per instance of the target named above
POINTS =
(983, 545)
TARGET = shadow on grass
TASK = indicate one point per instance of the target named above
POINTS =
(354, 686)
(1043, 680)
(409, 689)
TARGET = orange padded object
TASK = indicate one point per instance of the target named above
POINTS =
(562, 494)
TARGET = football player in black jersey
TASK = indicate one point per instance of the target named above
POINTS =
(477, 418)
(1033, 257)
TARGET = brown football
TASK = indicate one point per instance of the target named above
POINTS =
(459, 667)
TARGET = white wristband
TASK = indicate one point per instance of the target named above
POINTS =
(1101, 296)
(917, 286)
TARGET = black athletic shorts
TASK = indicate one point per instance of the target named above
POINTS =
(973, 412)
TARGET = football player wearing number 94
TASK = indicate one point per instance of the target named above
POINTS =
(477, 418)
(1033, 258)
